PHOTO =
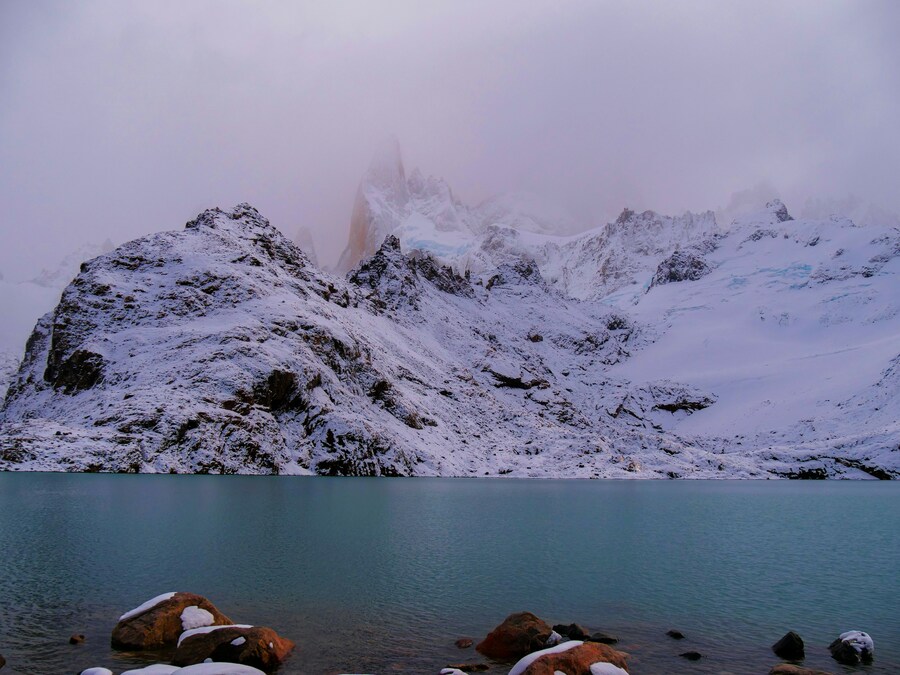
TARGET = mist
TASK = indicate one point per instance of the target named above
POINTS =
(120, 119)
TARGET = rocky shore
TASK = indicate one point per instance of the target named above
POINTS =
(198, 639)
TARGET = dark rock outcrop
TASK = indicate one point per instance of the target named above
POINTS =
(76, 639)
(675, 634)
(852, 648)
(519, 634)
(691, 656)
(464, 643)
(161, 625)
(602, 638)
(572, 631)
(254, 646)
(680, 266)
(790, 647)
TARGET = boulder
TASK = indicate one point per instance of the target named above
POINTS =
(160, 621)
(691, 656)
(789, 647)
(464, 643)
(675, 634)
(852, 648)
(519, 634)
(76, 639)
(576, 660)
(791, 669)
(254, 646)
(572, 631)
(2, 661)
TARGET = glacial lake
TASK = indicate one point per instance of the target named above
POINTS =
(382, 575)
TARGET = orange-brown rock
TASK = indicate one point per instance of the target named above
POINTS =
(578, 660)
(160, 626)
(518, 635)
(255, 646)
(790, 669)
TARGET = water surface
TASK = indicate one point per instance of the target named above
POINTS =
(382, 575)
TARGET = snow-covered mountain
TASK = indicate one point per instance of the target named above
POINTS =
(650, 347)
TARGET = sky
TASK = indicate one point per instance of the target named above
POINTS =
(118, 119)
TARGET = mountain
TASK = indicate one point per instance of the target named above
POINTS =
(654, 346)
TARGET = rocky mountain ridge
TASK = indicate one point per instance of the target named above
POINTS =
(221, 348)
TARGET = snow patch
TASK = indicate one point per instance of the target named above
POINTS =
(195, 617)
(150, 604)
(207, 629)
(526, 661)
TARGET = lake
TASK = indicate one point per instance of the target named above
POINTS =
(382, 575)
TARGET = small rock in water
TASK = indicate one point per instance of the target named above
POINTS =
(677, 634)
(691, 656)
(791, 669)
(2, 661)
(76, 639)
(572, 631)
(852, 648)
(464, 643)
(602, 638)
(789, 647)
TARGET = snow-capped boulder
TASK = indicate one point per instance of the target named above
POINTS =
(852, 648)
(573, 658)
(254, 646)
(518, 634)
(160, 621)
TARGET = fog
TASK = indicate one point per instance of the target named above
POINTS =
(122, 118)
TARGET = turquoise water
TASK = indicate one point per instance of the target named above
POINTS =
(382, 575)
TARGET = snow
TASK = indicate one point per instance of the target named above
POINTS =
(151, 603)
(523, 663)
(218, 669)
(859, 640)
(155, 669)
(237, 642)
(97, 671)
(603, 668)
(554, 639)
(195, 617)
(207, 629)
(452, 671)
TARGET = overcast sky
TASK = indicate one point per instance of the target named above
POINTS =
(122, 118)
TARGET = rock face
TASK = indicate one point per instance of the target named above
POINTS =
(519, 634)
(253, 646)
(790, 647)
(161, 624)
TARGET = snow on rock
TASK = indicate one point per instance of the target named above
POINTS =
(218, 669)
(97, 671)
(195, 617)
(151, 603)
(859, 640)
(155, 669)
(522, 664)
(604, 668)
(208, 629)
(237, 642)
(853, 647)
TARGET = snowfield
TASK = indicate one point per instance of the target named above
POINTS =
(472, 342)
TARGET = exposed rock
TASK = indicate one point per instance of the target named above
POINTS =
(577, 660)
(2, 661)
(680, 266)
(852, 648)
(791, 669)
(161, 625)
(789, 647)
(519, 634)
(76, 639)
(464, 643)
(254, 646)
(779, 210)
(675, 634)
(469, 667)
(691, 656)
